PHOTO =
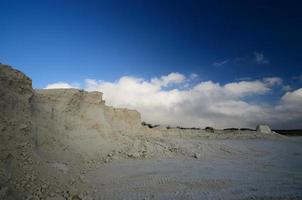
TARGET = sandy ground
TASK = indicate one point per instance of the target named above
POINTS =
(260, 169)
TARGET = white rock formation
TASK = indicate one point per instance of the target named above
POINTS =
(263, 128)
(51, 136)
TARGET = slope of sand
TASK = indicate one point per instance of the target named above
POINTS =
(53, 142)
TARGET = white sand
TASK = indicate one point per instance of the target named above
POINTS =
(259, 169)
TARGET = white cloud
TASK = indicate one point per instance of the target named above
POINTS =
(62, 85)
(218, 64)
(169, 79)
(254, 58)
(276, 81)
(288, 113)
(244, 88)
(204, 104)
(260, 59)
(293, 98)
(272, 81)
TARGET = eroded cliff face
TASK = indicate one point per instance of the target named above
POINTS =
(80, 120)
(68, 113)
(50, 137)
(15, 102)
(76, 109)
(71, 109)
(15, 128)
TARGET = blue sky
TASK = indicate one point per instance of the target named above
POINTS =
(220, 41)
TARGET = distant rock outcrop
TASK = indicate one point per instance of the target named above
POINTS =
(209, 129)
(263, 128)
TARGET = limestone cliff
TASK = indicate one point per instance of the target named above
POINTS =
(46, 132)
(15, 99)
(67, 108)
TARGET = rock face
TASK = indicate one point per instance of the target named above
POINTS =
(15, 127)
(79, 121)
(15, 102)
(45, 131)
(262, 128)
(16, 95)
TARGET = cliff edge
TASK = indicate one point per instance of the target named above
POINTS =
(47, 136)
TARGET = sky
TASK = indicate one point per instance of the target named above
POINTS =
(189, 63)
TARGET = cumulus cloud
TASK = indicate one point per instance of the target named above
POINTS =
(293, 98)
(62, 85)
(169, 79)
(206, 103)
(244, 88)
(289, 111)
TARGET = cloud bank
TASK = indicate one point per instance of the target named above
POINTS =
(168, 100)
